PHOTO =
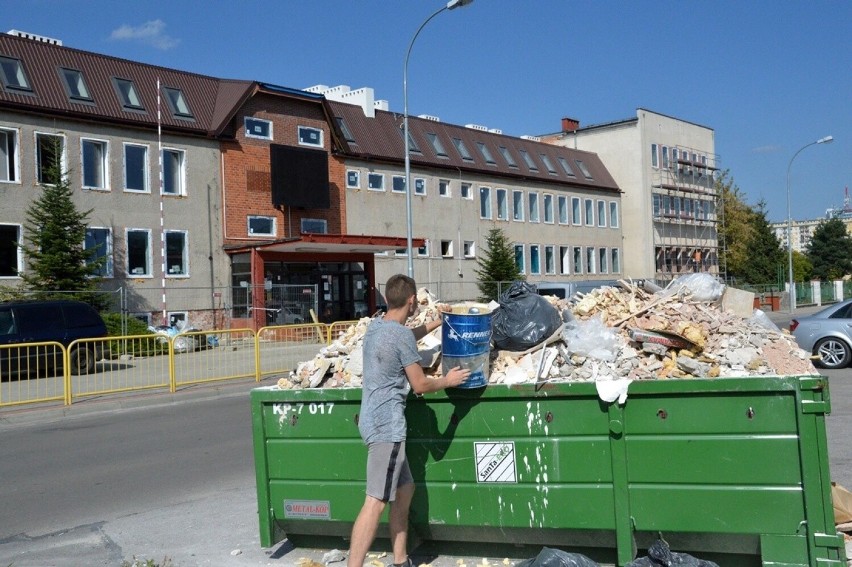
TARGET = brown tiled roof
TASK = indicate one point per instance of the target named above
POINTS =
(380, 139)
(212, 101)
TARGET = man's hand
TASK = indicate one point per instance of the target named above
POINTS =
(456, 376)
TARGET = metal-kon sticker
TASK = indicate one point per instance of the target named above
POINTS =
(307, 509)
(495, 462)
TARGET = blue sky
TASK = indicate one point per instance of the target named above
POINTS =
(767, 76)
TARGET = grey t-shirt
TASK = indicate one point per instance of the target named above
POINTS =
(388, 348)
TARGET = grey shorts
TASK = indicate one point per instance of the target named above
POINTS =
(387, 469)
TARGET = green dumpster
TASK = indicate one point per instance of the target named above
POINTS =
(731, 470)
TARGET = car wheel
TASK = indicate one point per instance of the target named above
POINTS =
(82, 360)
(833, 353)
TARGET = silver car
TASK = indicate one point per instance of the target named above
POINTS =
(827, 334)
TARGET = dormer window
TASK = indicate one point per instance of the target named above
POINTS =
(177, 102)
(13, 75)
(486, 153)
(75, 86)
(128, 94)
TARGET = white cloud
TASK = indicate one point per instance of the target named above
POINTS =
(151, 33)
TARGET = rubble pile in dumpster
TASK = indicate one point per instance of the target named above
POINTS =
(608, 334)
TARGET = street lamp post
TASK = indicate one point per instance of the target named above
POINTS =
(451, 5)
(792, 291)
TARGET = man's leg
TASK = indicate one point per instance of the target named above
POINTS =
(364, 531)
(398, 520)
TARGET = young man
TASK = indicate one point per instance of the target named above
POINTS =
(391, 369)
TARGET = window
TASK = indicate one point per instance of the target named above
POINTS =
(177, 253)
(177, 103)
(486, 153)
(13, 75)
(75, 86)
(602, 259)
(520, 261)
(665, 153)
(613, 214)
(376, 181)
(462, 149)
(314, 226)
(533, 200)
(590, 212)
(9, 155)
(548, 164)
(10, 251)
(469, 249)
(95, 159)
(435, 141)
(528, 160)
(419, 186)
(502, 205)
(578, 260)
(590, 260)
(50, 157)
(400, 252)
(535, 259)
(344, 129)
(583, 168)
(444, 188)
(564, 260)
(135, 168)
(99, 241)
(657, 205)
(412, 143)
(508, 157)
(484, 203)
(174, 172)
(258, 128)
(601, 213)
(138, 252)
(424, 250)
(128, 94)
(261, 226)
(655, 163)
(353, 179)
(548, 208)
(615, 254)
(310, 137)
(549, 259)
(562, 209)
(446, 248)
(465, 191)
(575, 211)
(566, 167)
(398, 184)
(518, 205)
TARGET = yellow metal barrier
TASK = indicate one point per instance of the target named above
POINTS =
(32, 372)
(337, 328)
(208, 356)
(281, 348)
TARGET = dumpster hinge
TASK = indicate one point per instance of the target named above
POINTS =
(813, 383)
(829, 540)
(816, 406)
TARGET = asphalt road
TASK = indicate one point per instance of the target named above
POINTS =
(159, 476)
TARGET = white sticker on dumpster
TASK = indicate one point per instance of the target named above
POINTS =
(495, 462)
(307, 509)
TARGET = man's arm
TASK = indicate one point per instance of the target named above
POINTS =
(422, 385)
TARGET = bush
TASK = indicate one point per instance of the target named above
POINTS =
(137, 347)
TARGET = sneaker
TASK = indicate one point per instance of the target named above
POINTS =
(406, 563)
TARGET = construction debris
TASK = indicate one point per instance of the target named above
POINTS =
(609, 334)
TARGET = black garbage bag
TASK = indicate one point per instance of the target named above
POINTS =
(549, 557)
(524, 319)
(659, 555)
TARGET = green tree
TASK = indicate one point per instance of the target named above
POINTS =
(56, 259)
(765, 253)
(830, 250)
(802, 268)
(735, 229)
(496, 264)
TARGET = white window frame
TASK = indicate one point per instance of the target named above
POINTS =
(444, 188)
(447, 248)
(601, 213)
(107, 268)
(602, 261)
(320, 144)
(19, 256)
(401, 180)
(590, 260)
(423, 251)
(532, 197)
(565, 260)
(380, 177)
(576, 211)
(253, 234)
(466, 191)
(148, 273)
(350, 174)
(589, 211)
(615, 260)
(613, 214)
(102, 163)
(577, 259)
(10, 166)
(547, 206)
(182, 270)
(549, 259)
(520, 258)
(562, 212)
(469, 248)
(655, 157)
(180, 178)
(260, 121)
(485, 203)
(420, 186)
(62, 156)
(535, 259)
(146, 187)
(518, 206)
(502, 204)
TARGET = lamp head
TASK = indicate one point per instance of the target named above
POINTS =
(453, 4)
(826, 140)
